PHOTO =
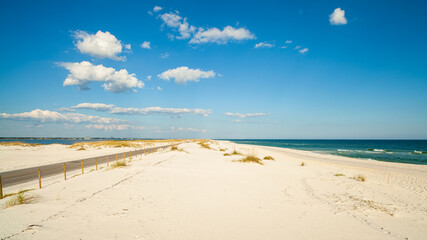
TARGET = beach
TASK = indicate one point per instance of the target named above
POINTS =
(201, 190)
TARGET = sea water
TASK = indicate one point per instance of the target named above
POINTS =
(402, 151)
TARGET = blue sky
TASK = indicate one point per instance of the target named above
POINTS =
(214, 69)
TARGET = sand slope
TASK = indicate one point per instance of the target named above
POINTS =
(201, 194)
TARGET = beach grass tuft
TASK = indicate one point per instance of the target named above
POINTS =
(204, 144)
(360, 178)
(302, 164)
(268, 158)
(222, 150)
(227, 154)
(20, 192)
(339, 175)
(251, 159)
(174, 148)
(236, 152)
(119, 164)
(18, 199)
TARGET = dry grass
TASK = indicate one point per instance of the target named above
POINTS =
(174, 148)
(19, 199)
(222, 150)
(204, 144)
(302, 164)
(268, 158)
(251, 159)
(227, 154)
(119, 164)
(339, 175)
(360, 178)
(13, 194)
(19, 144)
(236, 152)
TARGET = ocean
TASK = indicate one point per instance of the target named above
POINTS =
(401, 151)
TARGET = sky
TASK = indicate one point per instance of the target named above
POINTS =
(214, 69)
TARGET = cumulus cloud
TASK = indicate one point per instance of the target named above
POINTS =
(215, 35)
(112, 127)
(184, 74)
(81, 74)
(264, 45)
(46, 116)
(160, 111)
(338, 17)
(245, 115)
(157, 8)
(100, 45)
(303, 50)
(94, 106)
(288, 42)
(200, 35)
(159, 88)
(146, 45)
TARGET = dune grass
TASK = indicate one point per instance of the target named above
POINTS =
(227, 154)
(251, 159)
(18, 199)
(19, 144)
(174, 148)
(204, 144)
(339, 175)
(302, 164)
(20, 192)
(222, 150)
(268, 158)
(117, 164)
(121, 143)
(235, 152)
(360, 178)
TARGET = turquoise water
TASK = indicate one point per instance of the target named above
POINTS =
(402, 151)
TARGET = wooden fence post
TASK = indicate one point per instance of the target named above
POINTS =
(65, 172)
(83, 169)
(1, 189)
(96, 163)
(40, 179)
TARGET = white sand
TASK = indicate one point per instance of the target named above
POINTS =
(18, 157)
(201, 194)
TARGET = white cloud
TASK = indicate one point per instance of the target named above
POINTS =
(46, 116)
(264, 45)
(113, 127)
(171, 19)
(245, 115)
(142, 111)
(157, 8)
(160, 111)
(128, 46)
(100, 45)
(185, 74)
(214, 35)
(337, 17)
(181, 129)
(146, 45)
(288, 42)
(200, 35)
(65, 109)
(81, 74)
(303, 50)
(284, 47)
(164, 55)
(149, 77)
(159, 88)
(94, 106)
(297, 47)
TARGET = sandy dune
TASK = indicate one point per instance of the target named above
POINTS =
(199, 193)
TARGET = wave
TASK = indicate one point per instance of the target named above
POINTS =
(419, 152)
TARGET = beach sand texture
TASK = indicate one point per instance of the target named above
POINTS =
(198, 193)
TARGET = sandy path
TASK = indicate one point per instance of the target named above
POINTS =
(200, 194)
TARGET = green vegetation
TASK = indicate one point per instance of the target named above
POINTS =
(204, 144)
(18, 199)
(339, 175)
(20, 144)
(268, 158)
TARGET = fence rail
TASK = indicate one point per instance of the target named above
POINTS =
(14, 177)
